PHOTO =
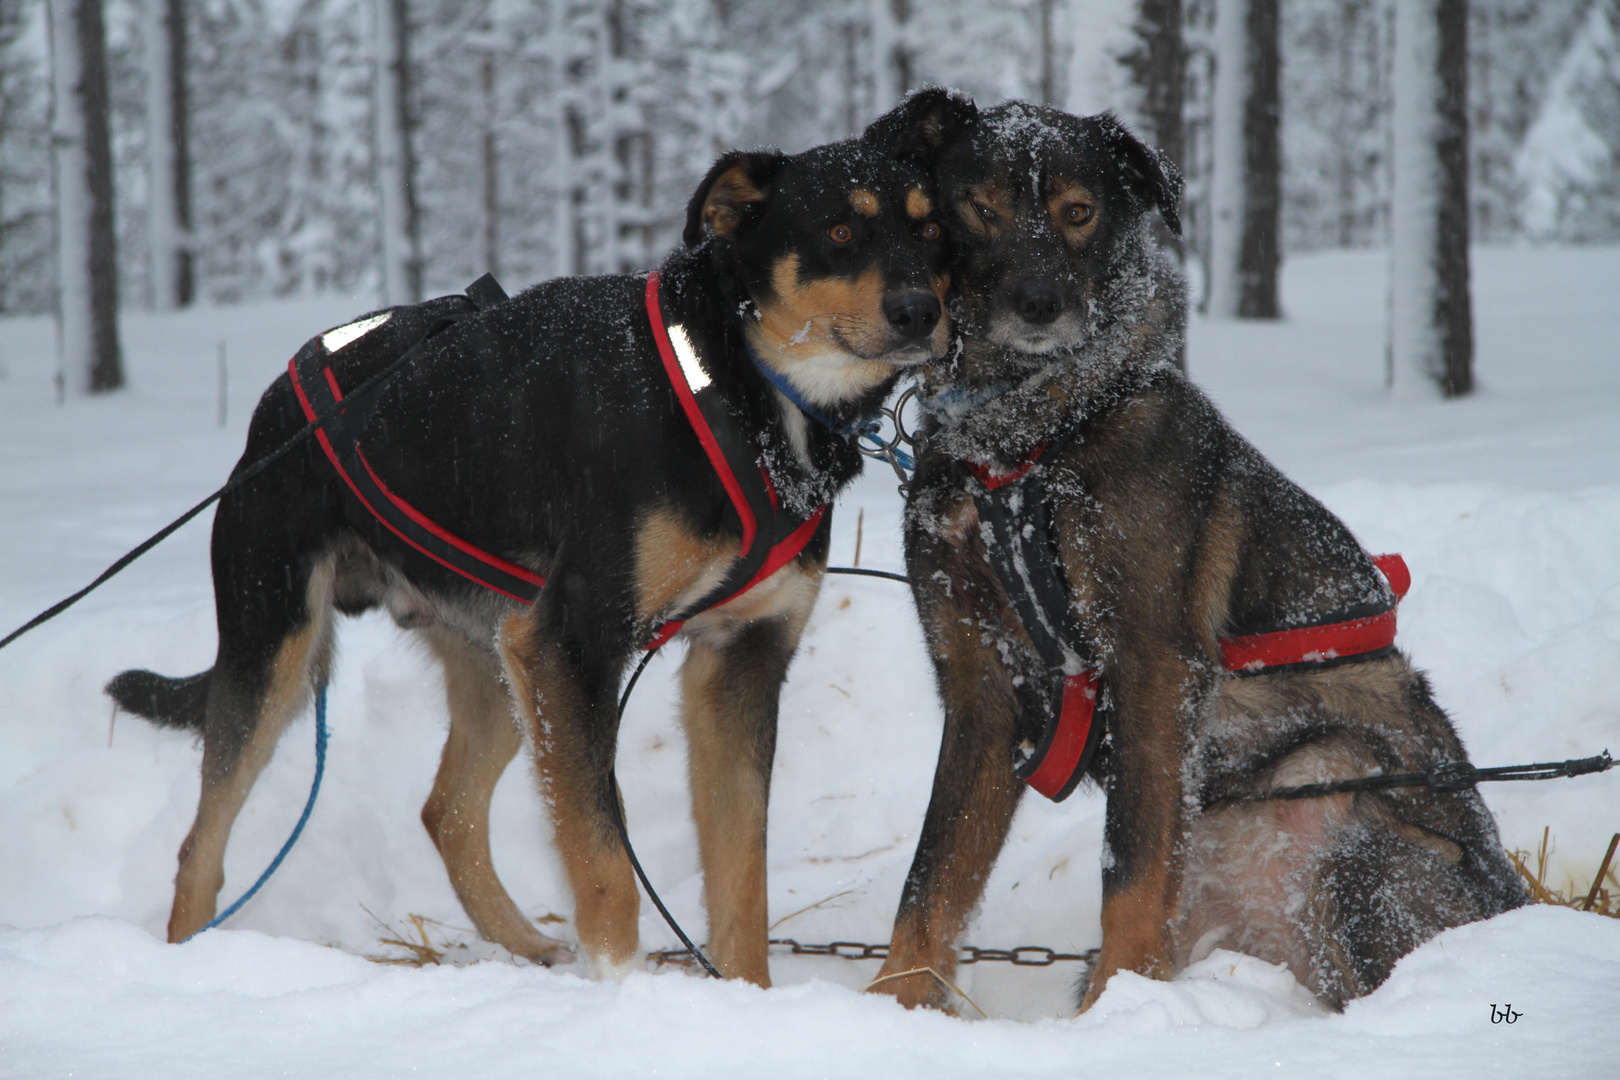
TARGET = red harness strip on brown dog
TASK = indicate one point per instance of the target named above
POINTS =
(1024, 556)
(730, 455)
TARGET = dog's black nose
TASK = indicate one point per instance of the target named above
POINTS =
(913, 314)
(1038, 302)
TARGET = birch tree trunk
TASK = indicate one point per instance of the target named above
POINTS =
(891, 58)
(491, 161)
(1246, 186)
(1046, 42)
(1431, 341)
(86, 247)
(168, 205)
(401, 253)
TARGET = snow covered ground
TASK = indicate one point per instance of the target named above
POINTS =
(1506, 506)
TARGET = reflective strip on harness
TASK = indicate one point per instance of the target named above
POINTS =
(683, 391)
(415, 528)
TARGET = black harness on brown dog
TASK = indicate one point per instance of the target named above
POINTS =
(1016, 506)
(771, 535)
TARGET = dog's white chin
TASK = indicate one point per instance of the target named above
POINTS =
(1014, 333)
(1036, 344)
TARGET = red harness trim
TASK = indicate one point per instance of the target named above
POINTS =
(993, 478)
(522, 573)
(683, 391)
(1053, 769)
(1056, 768)
(1309, 644)
(779, 556)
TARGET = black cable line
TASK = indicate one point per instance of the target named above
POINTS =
(236, 481)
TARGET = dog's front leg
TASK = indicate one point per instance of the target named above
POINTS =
(730, 686)
(964, 615)
(565, 698)
(1159, 690)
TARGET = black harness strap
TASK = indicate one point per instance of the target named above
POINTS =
(774, 526)
(1016, 507)
(772, 535)
(1023, 549)
(339, 436)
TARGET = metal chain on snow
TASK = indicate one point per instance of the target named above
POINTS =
(1022, 956)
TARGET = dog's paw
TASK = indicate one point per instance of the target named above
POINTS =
(551, 955)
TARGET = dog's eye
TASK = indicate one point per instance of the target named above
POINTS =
(841, 234)
(1079, 213)
(990, 216)
(931, 231)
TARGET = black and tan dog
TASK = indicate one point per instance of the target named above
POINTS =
(1064, 434)
(540, 492)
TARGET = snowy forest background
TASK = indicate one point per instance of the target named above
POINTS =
(549, 137)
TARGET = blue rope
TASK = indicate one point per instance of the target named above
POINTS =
(314, 789)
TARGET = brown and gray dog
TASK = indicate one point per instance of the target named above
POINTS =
(1171, 536)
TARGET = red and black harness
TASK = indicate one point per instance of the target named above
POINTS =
(1017, 509)
(771, 535)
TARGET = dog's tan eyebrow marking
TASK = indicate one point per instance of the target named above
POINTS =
(863, 202)
(918, 205)
(972, 204)
(1065, 193)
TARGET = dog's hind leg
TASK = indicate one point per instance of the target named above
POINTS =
(565, 698)
(483, 740)
(272, 653)
(730, 688)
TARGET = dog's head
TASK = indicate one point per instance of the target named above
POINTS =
(840, 251)
(1042, 205)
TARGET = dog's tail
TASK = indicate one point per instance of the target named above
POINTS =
(166, 702)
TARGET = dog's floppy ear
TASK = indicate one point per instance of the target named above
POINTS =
(732, 194)
(1147, 173)
(919, 126)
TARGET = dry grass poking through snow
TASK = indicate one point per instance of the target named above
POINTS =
(1597, 898)
(455, 945)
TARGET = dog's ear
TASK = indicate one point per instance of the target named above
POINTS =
(732, 195)
(1146, 172)
(919, 126)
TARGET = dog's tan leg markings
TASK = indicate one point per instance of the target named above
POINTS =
(674, 565)
(729, 799)
(1145, 813)
(482, 742)
(975, 791)
(737, 657)
(551, 705)
(241, 738)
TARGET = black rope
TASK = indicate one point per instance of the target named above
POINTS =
(624, 836)
(1447, 776)
(618, 802)
(231, 485)
(858, 572)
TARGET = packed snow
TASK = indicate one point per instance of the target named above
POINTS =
(1506, 507)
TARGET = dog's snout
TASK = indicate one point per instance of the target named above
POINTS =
(912, 314)
(1038, 302)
